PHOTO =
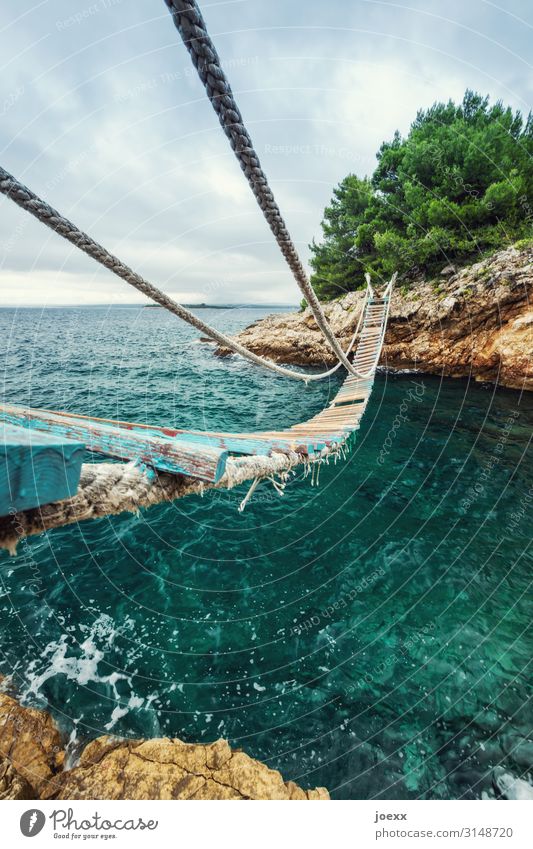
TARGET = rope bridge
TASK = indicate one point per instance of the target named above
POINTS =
(167, 463)
(234, 458)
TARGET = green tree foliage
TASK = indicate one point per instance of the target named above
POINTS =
(459, 185)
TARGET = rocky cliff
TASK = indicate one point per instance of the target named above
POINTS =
(32, 761)
(474, 322)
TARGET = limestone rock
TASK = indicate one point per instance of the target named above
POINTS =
(32, 759)
(171, 769)
(476, 322)
(12, 784)
(30, 743)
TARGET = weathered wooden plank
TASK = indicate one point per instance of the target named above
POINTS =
(367, 346)
(334, 424)
(36, 468)
(251, 443)
(261, 442)
(186, 458)
(347, 397)
(335, 436)
(350, 390)
(236, 443)
(346, 411)
(353, 385)
(333, 429)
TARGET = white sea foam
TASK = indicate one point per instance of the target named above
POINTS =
(80, 668)
(81, 664)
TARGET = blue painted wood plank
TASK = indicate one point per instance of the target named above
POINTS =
(262, 443)
(36, 468)
(168, 455)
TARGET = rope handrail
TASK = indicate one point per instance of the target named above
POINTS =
(32, 203)
(355, 334)
(192, 28)
(28, 200)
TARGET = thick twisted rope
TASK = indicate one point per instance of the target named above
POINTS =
(29, 201)
(32, 203)
(107, 489)
(191, 26)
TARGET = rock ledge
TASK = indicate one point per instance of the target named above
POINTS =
(32, 758)
(477, 322)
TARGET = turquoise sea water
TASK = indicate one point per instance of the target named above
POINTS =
(371, 634)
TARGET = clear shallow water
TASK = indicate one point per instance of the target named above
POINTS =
(371, 635)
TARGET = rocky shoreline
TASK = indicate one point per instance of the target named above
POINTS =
(475, 322)
(33, 766)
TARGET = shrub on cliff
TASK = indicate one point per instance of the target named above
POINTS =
(460, 184)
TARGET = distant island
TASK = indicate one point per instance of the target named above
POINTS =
(225, 306)
(195, 306)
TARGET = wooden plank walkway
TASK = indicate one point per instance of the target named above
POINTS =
(335, 423)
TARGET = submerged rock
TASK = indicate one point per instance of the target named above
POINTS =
(171, 769)
(477, 323)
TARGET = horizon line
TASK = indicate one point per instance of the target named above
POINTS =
(142, 306)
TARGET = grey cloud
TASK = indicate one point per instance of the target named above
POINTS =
(101, 113)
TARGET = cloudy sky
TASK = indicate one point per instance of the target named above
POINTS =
(102, 114)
